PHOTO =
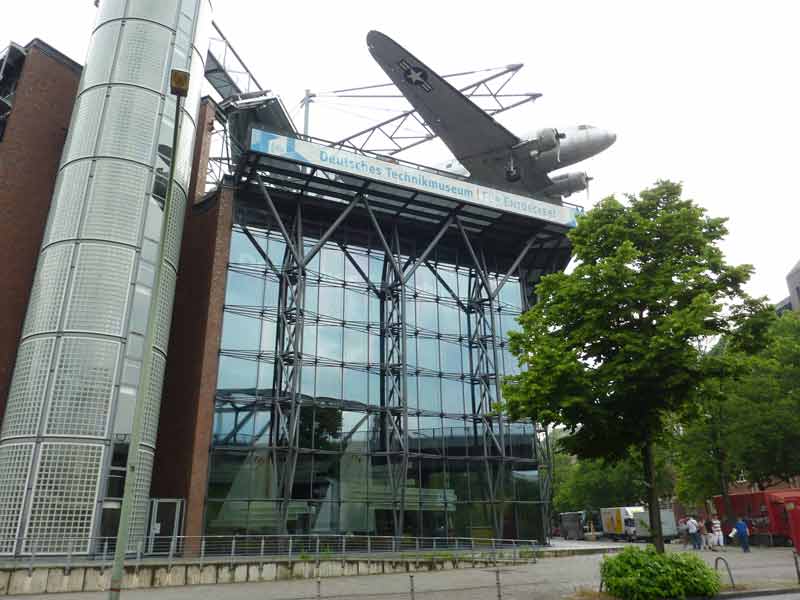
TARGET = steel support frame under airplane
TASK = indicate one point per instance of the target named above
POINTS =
(393, 446)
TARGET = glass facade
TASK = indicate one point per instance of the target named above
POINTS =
(456, 483)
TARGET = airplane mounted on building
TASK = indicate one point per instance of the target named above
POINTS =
(490, 153)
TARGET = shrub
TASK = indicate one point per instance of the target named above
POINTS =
(636, 574)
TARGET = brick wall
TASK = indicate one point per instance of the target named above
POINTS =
(187, 405)
(29, 154)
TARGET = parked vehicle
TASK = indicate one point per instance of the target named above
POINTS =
(766, 514)
(573, 525)
(669, 526)
(620, 522)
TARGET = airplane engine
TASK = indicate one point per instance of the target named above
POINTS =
(567, 184)
(545, 140)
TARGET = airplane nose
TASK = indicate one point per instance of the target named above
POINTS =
(611, 137)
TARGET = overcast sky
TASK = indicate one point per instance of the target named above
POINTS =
(706, 93)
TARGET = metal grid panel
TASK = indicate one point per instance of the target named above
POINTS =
(15, 463)
(85, 123)
(164, 308)
(172, 243)
(64, 496)
(152, 406)
(47, 294)
(142, 499)
(26, 395)
(102, 49)
(141, 55)
(132, 137)
(67, 205)
(110, 9)
(99, 295)
(116, 201)
(185, 147)
(163, 11)
(83, 387)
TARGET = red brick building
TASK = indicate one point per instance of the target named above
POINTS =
(37, 91)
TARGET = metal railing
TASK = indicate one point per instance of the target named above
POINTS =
(213, 548)
(722, 560)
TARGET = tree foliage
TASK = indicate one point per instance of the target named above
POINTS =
(612, 348)
(748, 421)
(593, 483)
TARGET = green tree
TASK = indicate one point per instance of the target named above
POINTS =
(592, 484)
(748, 417)
(764, 408)
(612, 349)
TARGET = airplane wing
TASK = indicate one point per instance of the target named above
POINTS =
(479, 142)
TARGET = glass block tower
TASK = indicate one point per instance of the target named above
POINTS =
(70, 407)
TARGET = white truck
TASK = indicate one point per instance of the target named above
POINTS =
(633, 523)
(619, 522)
(669, 526)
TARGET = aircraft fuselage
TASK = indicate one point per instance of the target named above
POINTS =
(577, 144)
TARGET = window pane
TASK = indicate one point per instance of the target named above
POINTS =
(452, 396)
(236, 373)
(240, 332)
(243, 290)
(243, 251)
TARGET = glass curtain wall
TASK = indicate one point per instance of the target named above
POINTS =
(340, 484)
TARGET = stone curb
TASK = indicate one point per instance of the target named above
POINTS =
(757, 593)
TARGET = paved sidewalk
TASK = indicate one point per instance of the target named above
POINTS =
(549, 579)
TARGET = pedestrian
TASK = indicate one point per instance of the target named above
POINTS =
(694, 532)
(708, 534)
(716, 531)
(743, 534)
(683, 531)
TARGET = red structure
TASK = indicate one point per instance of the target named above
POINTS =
(772, 516)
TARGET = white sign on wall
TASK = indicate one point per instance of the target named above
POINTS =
(386, 172)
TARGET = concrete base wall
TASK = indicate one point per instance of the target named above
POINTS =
(41, 580)
(53, 579)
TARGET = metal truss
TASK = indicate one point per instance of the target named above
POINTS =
(220, 161)
(225, 70)
(392, 450)
(394, 375)
(408, 129)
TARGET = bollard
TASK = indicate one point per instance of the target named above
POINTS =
(202, 551)
(68, 566)
(797, 565)
(497, 581)
(105, 556)
(411, 588)
(33, 556)
(139, 549)
(319, 588)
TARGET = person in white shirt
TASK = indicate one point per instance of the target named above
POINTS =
(716, 532)
(694, 533)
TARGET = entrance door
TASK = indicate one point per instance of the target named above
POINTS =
(166, 523)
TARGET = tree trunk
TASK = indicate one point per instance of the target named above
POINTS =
(652, 496)
(728, 519)
(720, 456)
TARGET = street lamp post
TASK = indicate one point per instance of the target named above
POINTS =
(179, 86)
